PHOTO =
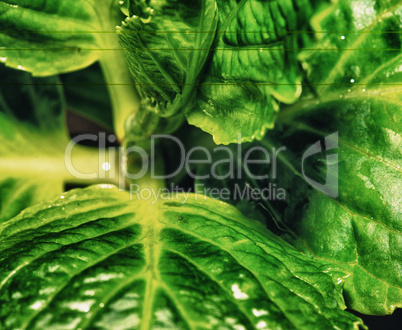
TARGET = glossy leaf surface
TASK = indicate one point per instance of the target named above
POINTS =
(48, 37)
(167, 44)
(225, 64)
(93, 258)
(252, 67)
(360, 230)
(363, 226)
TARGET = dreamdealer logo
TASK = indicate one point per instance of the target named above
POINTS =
(330, 187)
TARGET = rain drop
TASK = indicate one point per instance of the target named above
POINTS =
(343, 37)
(238, 294)
(352, 81)
(260, 312)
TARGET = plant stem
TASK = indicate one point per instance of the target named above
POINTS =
(151, 178)
(123, 93)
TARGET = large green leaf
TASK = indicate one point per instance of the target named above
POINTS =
(251, 65)
(48, 37)
(93, 258)
(33, 139)
(362, 228)
(359, 231)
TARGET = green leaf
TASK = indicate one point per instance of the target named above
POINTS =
(368, 38)
(225, 64)
(93, 258)
(48, 37)
(252, 67)
(91, 102)
(359, 231)
(166, 48)
(33, 140)
(362, 229)
(44, 37)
